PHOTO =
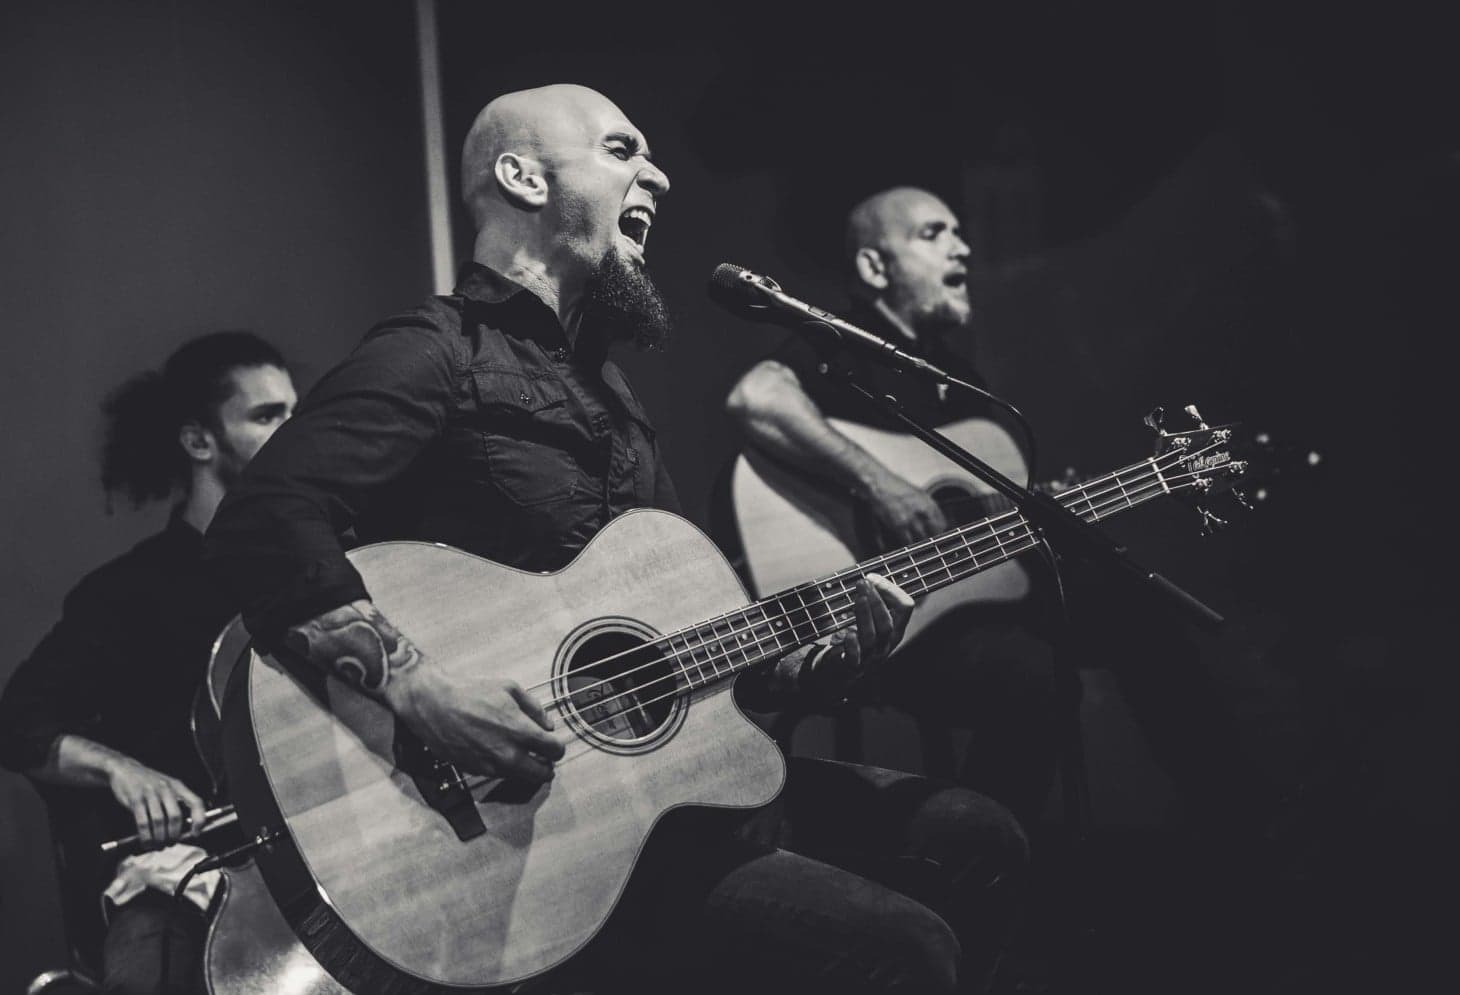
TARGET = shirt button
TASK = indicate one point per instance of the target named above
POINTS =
(524, 398)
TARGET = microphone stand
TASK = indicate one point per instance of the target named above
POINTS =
(1060, 531)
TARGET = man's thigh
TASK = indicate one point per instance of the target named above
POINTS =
(716, 912)
(133, 951)
(856, 879)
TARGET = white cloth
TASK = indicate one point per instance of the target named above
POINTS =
(161, 869)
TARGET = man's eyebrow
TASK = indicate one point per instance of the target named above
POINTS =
(272, 407)
(633, 141)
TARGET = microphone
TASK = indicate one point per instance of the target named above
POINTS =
(759, 298)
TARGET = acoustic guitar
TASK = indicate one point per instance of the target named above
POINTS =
(793, 526)
(401, 873)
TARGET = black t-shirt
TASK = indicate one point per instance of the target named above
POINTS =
(920, 398)
(930, 403)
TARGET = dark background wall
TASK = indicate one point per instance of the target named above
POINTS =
(1243, 206)
(170, 169)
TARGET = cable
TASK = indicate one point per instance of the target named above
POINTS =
(206, 864)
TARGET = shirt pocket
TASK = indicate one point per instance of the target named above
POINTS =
(528, 437)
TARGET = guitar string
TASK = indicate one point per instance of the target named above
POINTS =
(473, 781)
(827, 602)
(970, 547)
(957, 571)
(1149, 467)
(1151, 472)
(971, 550)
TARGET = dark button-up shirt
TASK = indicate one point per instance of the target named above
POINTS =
(471, 420)
(123, 663)
(120, 668)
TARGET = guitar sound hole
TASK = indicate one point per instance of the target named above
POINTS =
(959, 504)
(619, 692)
(962, 506)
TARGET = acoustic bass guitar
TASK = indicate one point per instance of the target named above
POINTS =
(401, 873)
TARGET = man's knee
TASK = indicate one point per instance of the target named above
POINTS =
(919, 953)
(973, 836)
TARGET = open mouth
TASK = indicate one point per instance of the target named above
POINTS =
(957, 278)
(635, 224)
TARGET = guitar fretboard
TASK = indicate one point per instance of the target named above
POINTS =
(720, 648)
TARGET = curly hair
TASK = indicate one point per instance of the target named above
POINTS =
(141, 457)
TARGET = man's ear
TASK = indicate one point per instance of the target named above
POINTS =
(871, 268)
(197, 442)
(520, 180)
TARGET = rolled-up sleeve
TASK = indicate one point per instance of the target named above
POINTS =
(275, 542)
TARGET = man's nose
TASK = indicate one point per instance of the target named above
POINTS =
(960, 250)
(653, 179)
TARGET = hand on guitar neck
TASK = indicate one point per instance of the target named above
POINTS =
(482, 724)
(883, 610)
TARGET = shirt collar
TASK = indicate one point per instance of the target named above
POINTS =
(179, 529)
(527, 315)
(485, 285)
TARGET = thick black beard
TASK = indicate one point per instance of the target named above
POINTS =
(623, 305)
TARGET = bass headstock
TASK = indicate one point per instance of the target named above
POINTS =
(1199, 463)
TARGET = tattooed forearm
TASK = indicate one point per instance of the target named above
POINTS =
(356, 643)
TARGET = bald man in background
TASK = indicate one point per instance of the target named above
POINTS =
(492, 420)
(982, 670)
(988, 670)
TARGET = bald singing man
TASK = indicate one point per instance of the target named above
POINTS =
(492, 420)
(989, 671)
(985, 670)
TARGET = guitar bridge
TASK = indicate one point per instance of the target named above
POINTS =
(442, 786)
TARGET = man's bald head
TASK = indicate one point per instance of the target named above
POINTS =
(530, 124)
(563, 191)
(887, 211)
(906, 251)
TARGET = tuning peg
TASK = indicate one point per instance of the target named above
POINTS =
(1154, 418)
(1190, 409)
(1241, 499)
(1210, 523)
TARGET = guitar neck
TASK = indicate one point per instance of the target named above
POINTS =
(722, 647)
